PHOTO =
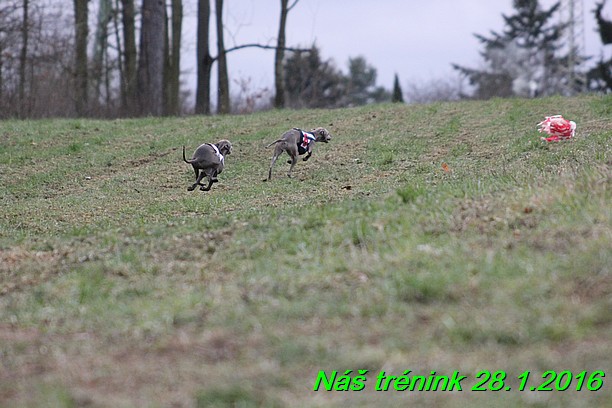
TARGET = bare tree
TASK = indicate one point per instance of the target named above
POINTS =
(204, 58)
(3, 45)
(173, 57)
(100, 50)
(223, 95)
(129, 67)
(279, 98)
(37, 66)
(25, 30)
(11, 25)
(151, 61)
(205, 61)
(81, 32)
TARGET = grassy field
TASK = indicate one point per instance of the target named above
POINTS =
(443, 237)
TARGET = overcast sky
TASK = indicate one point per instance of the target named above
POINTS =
(417, 39)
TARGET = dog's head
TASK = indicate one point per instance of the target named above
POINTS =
(321, 135)
(224, 146)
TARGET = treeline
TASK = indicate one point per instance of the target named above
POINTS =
(121, 58)
(125, 61)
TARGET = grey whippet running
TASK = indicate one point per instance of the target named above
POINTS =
(208, 160)
(297, 142)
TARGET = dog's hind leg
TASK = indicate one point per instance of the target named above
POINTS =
(272, 164)
(199, 176)
(212, 175)
(207, 188)
(211, 179)
(293, 162)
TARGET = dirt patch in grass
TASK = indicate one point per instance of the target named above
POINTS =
(21, 268)
(149, 158)
(169, 371)
(592, 288)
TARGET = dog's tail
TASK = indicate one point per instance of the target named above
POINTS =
(186, 161)
(275, 142)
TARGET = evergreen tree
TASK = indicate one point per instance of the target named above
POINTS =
(311, 82)
(361, 86)
(522, 57)
(605, 26)
(361, 77)
(398, 95)
(600, 77)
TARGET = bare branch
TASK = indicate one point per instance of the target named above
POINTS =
(265, 47)
(293, 5)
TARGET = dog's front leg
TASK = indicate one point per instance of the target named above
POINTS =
(308, 152)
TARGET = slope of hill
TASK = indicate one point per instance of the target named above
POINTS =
(443, 237)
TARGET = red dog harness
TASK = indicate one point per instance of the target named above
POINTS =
(305, 140)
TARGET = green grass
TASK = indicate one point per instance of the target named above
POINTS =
(440, 237)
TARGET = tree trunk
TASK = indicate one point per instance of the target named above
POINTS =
(1, 77)
(129, 84)
(101, 46)
(173, 60)
(81, 32)
(167, 62)
(120, 66)
(279, 98)
(205, 60)
(151, 61)
(23, 58)
(279, 80)
(223, 99)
